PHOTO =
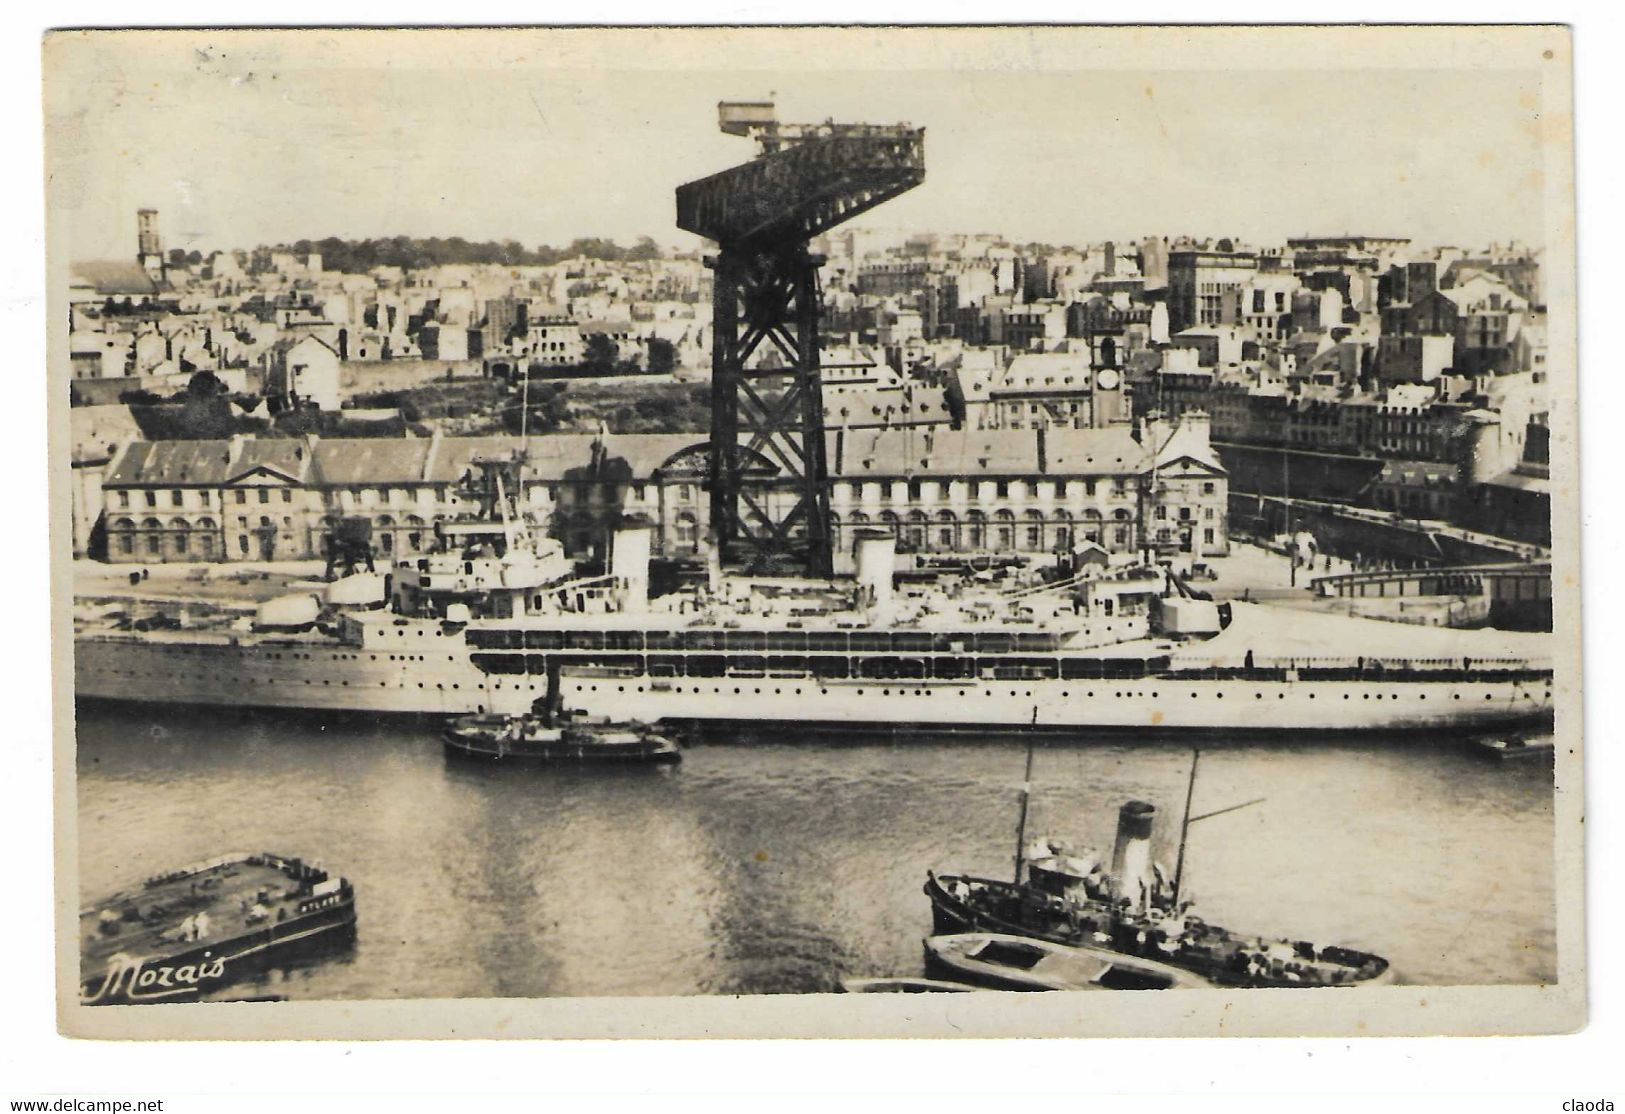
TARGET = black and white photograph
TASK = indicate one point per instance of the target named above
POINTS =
(622, 532)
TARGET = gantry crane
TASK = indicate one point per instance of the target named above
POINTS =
(807, 179)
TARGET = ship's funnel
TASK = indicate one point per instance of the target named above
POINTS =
(876, 554)
(629, 562)
(713, 563)
(1132, 876)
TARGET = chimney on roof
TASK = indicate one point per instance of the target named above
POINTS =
(234, 448)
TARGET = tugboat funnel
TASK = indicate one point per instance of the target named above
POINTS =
(1132, 876)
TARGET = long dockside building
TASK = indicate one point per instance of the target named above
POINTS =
(942, 492)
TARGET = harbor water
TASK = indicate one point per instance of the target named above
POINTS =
(774, 864)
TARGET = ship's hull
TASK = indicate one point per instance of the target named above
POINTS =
(313, 676)
(186, 975)
(308, 676)
(1152, 704)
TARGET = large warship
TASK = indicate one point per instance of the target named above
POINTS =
(497, 616)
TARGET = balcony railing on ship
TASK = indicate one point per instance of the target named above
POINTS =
(956, 666)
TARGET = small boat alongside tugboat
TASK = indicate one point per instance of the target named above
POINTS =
(1003, 962)
(1133, 907)
(186, 932)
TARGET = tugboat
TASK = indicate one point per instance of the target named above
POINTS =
(191, 930)
(1133, 907)
(533, 738)
(550, 734)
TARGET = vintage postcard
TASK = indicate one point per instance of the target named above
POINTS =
(814, 532)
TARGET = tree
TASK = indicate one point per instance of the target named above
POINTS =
(298, 423)
(360, 256)
(662, 356)
(601, 354)
(206, 384)
(595, 247)
(644, 249)
(208, 417)
(548, 410)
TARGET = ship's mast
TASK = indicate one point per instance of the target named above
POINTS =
(1026, 796)
(1185, 825)
(508, 533)
(490, 488)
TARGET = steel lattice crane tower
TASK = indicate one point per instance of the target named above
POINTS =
(807, 179)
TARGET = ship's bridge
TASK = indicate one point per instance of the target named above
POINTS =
(472, 576)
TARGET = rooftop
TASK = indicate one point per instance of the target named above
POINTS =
(114, 277)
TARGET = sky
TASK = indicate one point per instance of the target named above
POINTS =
(238, 147)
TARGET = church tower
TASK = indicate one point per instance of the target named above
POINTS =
(149, 249)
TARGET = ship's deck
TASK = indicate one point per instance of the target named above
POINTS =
(153, 918)
(1257, 632)
(1281, 634)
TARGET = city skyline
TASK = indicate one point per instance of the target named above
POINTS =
(553, 154)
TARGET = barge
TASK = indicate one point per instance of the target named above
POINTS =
(184, 933)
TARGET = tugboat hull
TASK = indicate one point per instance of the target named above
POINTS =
(657, 752)
(967, 905)
(517, 739)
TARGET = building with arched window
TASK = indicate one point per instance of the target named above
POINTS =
(1034, 494)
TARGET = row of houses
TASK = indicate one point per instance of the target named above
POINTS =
(965, 493)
